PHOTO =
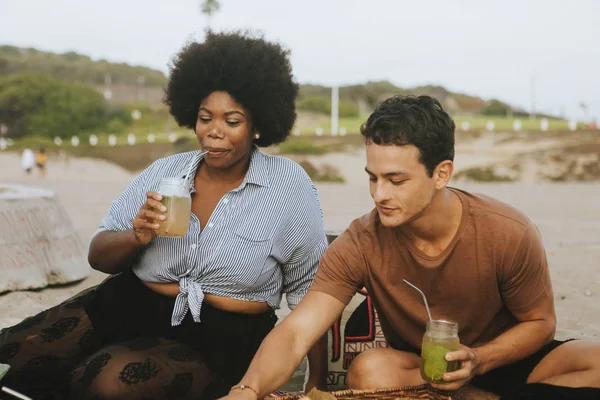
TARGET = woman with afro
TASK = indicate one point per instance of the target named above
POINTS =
(183, 317)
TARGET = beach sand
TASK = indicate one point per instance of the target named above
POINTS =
(567, 215)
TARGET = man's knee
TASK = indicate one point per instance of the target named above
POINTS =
(362, 367)
(589, 355)
(573, 356)
(371, 369)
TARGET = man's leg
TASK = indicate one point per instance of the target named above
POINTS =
(384, 368)
(572, 364)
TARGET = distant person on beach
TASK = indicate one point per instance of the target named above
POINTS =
(27, 160)
(182, 317)
(480, 262)
(40, 161)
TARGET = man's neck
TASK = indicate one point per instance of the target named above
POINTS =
(435, 228)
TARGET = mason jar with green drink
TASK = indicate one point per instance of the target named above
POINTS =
(440, 337)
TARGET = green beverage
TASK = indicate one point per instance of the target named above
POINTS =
(441, 337)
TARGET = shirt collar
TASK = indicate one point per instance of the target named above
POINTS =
(258, 173)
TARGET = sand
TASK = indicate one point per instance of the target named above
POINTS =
(567, 215)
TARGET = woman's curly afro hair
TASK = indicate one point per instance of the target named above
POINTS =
(255, 72)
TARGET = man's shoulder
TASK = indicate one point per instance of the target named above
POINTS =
(366, 224)
(490, 211)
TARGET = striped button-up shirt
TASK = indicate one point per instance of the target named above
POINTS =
(263, 238)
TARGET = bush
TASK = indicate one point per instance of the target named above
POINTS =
(318, 104)
(120, 113)
(34, 143)
(310, 169)
(185, 143)
(496, 107)
(483, 174)
(301, 146)
(42, 106)
(348, 109)
(322, 105)
(115, 125)
(327, 173)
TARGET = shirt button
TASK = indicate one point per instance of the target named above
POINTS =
(210, 225)
(194, 246)
(225, 201)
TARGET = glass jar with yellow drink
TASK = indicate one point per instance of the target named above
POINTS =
(176, 198)
(440, 337)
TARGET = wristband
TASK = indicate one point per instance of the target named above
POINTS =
(245, 387)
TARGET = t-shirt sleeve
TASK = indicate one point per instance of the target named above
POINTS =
(526, 282)
(342, 268)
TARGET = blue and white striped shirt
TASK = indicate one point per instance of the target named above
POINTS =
(263, 238)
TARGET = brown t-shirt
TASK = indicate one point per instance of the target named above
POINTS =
(495, 264)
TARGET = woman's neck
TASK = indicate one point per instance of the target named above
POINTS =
(232, 175)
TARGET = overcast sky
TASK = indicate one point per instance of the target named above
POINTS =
(493, 49)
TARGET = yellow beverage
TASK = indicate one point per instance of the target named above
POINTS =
(178, 216)
(438, 341)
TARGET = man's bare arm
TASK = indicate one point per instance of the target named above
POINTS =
(536, 328)
(317, 365)
(284, 348)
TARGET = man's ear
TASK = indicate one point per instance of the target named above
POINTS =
(443, 173)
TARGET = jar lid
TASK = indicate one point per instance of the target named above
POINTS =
(173, 181)
(443, 325)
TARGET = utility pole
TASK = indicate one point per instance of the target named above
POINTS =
(140, 89)
(208, 8)
(532, 97)
(584, 107)
(335, 107)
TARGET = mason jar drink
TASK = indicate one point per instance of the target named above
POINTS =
(440, 338)
(176, 198)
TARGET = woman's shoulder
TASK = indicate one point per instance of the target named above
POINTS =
(283, 169)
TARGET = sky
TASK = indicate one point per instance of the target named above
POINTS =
(540, 54)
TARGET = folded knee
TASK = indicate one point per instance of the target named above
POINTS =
(362, 372)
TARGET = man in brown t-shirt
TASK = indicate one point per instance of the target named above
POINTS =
(493, 268)
(480, 263)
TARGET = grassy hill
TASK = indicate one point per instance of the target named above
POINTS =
(76, 67)
(129, 84)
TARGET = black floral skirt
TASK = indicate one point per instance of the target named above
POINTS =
(115, 341)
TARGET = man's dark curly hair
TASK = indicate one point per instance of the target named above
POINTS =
(418, 121)
(255, 72)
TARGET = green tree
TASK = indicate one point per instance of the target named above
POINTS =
(209, 7)
(32, 104)
(496, 107)
(322, 105)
